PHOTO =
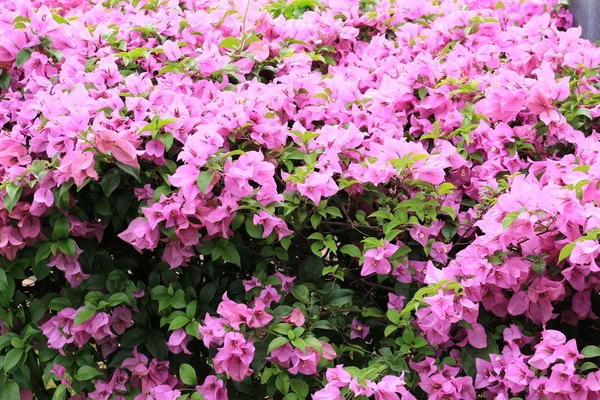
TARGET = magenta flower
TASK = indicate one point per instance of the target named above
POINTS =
(213, 389)
(376, 260)
(359, 330)
(178, 342)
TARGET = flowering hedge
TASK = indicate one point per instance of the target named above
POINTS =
(298, 199)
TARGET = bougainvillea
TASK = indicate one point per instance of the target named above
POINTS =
(325, 199)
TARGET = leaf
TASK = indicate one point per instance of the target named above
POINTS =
(408, 336)
(586, 366)
(13, 193)
(128, 169)
(60, 393)
(301, 293)
(231, 255)
(393, 315)
(4, 80)
(85, 373)
(190, 310)
(43, 252)
(55, 53)
(68, 247)
(187, 374)
(58, 19)
(254, 231)
(299, 387)
(283, 382)
(315, 343)
(204, 179)
(277, 342)
(323, 324)
(110, 181)
(22, 56)
(157, 344)
(118, 298)
(590, 351)
(12, 359)
(230, 43)
(61, 227)
(3, 280)
(351, 250)
(340, 297)
(539, 267)
(59, 303)
(178, 322)
(566, 251)
(389, 330)
(9, 390)
(84, 315)
(509, 219)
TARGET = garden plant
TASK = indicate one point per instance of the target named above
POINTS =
(303, 199)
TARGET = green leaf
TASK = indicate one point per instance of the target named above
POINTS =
(3, 280)
(59, 19)
(118, 298)
(590, 351)
(22, 56)
(283, 382)
(539, 267)
(230, 43)
(167, 139)
(299, 387)
(566, 251)
(103, 207)
(408, 336)
(12, 359)
(128, 169)
(389, 330)
(314, 343)
(586, 366)
(55, 53)
(83, 315)
(190, 310)
(59, 303)
(9, 390)
(231, 255)
(60, 393)
(277, 342)
(340, 297)
(422, 92)
(68, 247)
(157, 344)
(254, 231)
(323, 324)
(13, 194)
(61, 227)
(204, 179)
(43, 252)
(110, 181)
(85, 373)
(351, 250)
(187, 374)
(4, 81)
(509, 219)
(178, 322)
(301, 293)
(193, 329)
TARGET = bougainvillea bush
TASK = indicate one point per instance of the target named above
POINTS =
(311, 199)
